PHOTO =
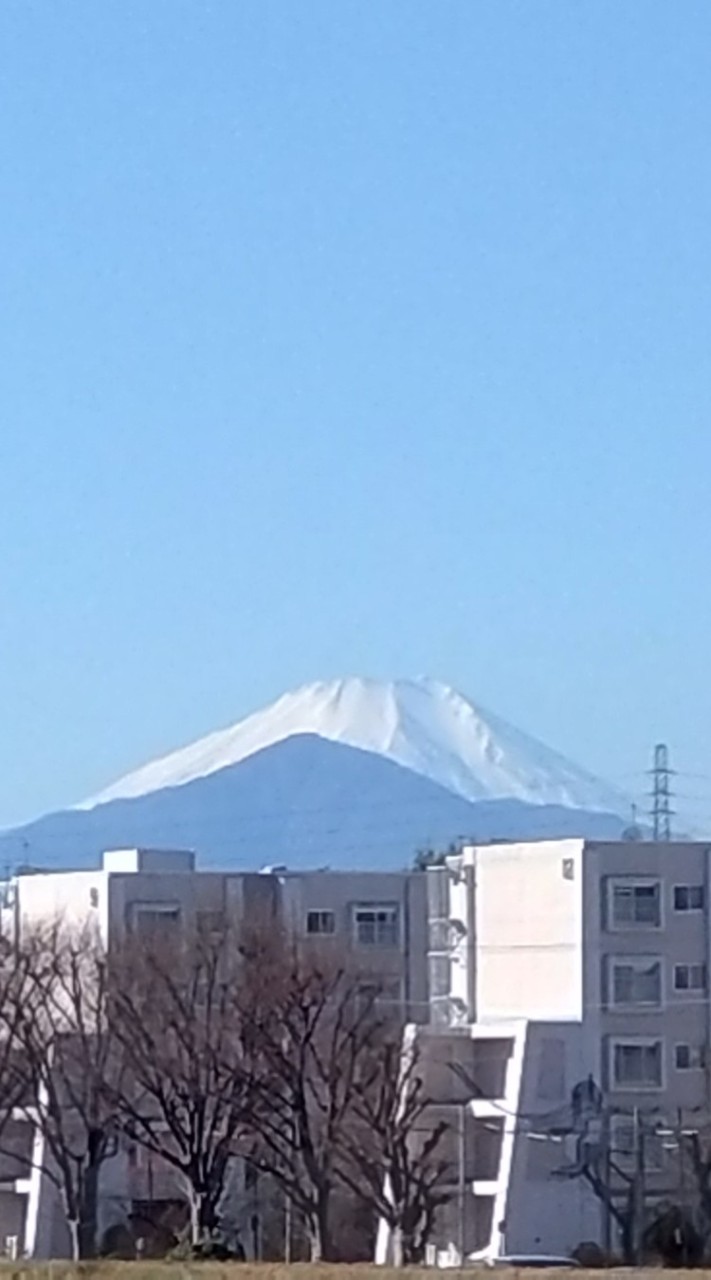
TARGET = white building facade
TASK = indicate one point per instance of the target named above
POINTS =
(572, 962)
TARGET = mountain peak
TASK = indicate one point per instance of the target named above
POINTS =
(421, 724)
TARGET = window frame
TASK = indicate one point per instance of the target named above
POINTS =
(688, 889)
(632, 961)
(689, 987)
(694, 1051)
(636, 1042)
(140, 911)
(375, 909)
(633, 883)
(321, 913)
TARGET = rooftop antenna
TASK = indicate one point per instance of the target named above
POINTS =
(633, 831)
(661, 793)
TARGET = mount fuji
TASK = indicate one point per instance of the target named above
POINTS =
(348, 773)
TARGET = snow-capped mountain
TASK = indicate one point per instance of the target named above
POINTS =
(422, 725)
(353, 774)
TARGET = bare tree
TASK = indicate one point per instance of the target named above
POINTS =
(55, 1015)
(14, 993)
(673, 1236)
(392, 1156)
(674, 1229)
(312, 1023)
(188, 1089)
(695, 1155)
(620, 1202)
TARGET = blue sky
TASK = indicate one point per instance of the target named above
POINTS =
(352, 338)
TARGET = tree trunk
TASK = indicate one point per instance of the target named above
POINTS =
(202, 1216)
(320, 1241)
(88, 1210)
(398, 1251)
(72, 1217)
(315, 1245)
(74, 1239)
(195, 1199)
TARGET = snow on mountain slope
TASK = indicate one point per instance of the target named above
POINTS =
(422, 725)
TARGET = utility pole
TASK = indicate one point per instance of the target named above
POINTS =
(461, 1197)
(638, 1186)
(606, 1136)
(682, 1179)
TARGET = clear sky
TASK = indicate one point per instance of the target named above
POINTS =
(343, 337)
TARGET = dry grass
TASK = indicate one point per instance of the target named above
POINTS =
(279, 1271)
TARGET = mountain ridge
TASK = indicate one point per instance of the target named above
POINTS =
(305, 803)
(421, 724)
(352, 774)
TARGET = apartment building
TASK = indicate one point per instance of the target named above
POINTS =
(378, 919)
(553, 965)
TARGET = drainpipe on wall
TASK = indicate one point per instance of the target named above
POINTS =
(469, 874)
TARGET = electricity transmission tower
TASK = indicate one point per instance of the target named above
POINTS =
(662, 811)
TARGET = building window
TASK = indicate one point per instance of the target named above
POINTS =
(376, 924)
(635, 980)
(689, 977)
(688, 1057)
(636, 1064)
(688, 897)
(635, 904)
(155, 920)
(320, 922)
